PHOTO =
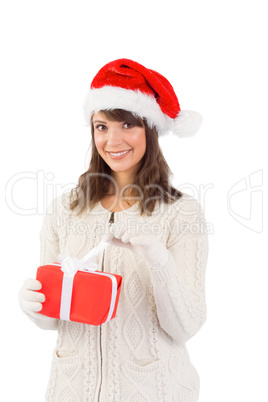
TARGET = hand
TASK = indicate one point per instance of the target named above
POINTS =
(146, 246)
(31, 301)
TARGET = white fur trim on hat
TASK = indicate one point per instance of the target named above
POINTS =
(143, 105)
(186, 123)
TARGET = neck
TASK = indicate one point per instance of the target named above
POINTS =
(123, 179)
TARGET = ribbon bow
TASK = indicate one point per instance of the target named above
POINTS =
(70, 266)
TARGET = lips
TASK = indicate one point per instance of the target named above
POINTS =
(119, 154)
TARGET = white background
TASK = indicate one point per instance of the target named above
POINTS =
(215, 55)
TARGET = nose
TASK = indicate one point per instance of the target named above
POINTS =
(114, 136)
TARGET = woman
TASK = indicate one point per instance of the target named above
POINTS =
(157, 246)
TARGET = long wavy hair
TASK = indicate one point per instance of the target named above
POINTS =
(152, 181)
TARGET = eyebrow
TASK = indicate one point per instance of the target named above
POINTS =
(99, 121)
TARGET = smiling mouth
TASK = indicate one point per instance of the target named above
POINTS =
(119, 153)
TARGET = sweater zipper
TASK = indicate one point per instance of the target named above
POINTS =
(111, 220)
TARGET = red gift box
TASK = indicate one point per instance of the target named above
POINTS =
(93, 296)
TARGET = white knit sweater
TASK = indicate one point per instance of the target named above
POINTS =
(141, 354)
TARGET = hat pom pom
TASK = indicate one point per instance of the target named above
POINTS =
(187, 123)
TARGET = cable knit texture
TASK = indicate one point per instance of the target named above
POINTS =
(140, 356)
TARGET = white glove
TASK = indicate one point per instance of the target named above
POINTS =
(146, 246)
(31, 301)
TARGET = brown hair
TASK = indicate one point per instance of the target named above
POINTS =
(152, 182)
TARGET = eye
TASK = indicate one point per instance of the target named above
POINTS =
(128, 125)
(100, 127)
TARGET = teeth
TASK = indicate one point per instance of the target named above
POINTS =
(118, 153)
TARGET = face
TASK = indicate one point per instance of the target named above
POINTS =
(120, 144)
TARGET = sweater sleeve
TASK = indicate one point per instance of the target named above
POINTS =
(49, 239)
(49, 250)
(179, 286)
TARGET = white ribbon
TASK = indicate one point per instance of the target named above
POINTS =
(70, 266)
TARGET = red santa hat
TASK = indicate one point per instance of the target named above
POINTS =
(126, 84)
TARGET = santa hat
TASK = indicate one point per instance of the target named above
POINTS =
(125, 84)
